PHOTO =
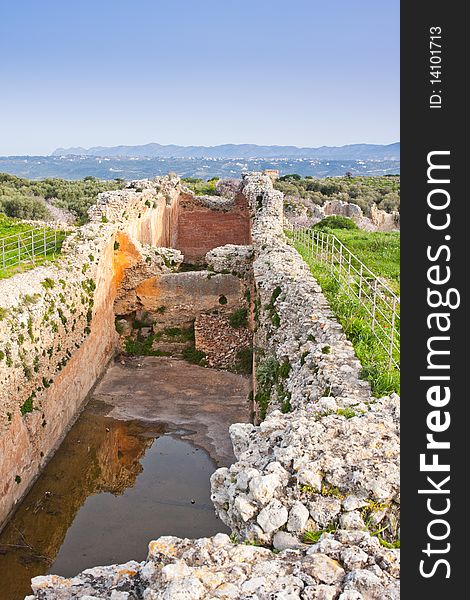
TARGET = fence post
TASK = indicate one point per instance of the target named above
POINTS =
(3, 253)
(45, 243)
(374, 304)
(340, 261)
(360, 283)
(32, 246)
(392, 332)
(19, 249)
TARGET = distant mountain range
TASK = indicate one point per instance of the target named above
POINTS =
(243, 151)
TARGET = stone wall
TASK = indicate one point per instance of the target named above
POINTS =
(209, 221)
(323, 461)
(57, 328)
(327, 449)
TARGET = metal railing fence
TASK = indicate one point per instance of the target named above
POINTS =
(29, 246)
(381, 305)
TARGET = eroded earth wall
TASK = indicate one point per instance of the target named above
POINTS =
(57, 329)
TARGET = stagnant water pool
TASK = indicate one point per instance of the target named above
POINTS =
(124, 475)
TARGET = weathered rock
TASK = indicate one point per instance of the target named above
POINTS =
(324, 569)
(273, 516)
(298, 517)
(231, 258)
(283, 540)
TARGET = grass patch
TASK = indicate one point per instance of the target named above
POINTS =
(20, 260)
(355, 321)
(48, 283)
(312, 537)
(271, 375)
(347, 412)
(389, 545)
(379, 250)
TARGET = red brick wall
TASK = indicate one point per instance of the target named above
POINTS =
(199, 229)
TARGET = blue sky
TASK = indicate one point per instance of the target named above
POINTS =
(109, 72)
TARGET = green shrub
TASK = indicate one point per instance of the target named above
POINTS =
(267, 374)
(244, 361)
(143, 347)
(336, 222)
(302, 193)
(24, 198)
(239, 318)
(285, 368)
(196, 357)
(25, 207)
(201, 187)
(27, 405)
(182, 334)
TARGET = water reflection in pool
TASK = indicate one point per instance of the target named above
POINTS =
(112, 486)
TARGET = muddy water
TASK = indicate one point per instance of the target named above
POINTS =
(136, 465)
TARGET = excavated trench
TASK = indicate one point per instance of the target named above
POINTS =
(137, 462)
(136, 465)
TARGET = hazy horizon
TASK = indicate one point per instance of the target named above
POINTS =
(306, 73)
(74, 146)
